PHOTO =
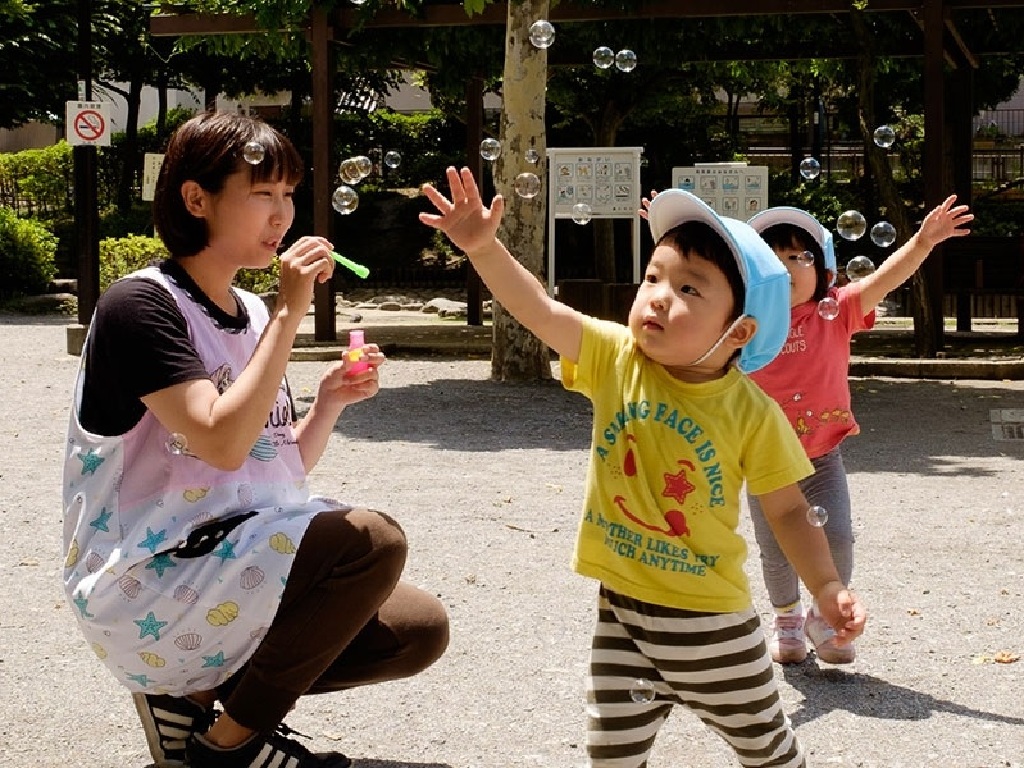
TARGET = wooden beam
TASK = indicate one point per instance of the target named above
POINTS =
(325, 327)
(965, 52)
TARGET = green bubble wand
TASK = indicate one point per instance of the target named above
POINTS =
(359, 269)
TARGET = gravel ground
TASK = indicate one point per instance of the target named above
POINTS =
(486, 479)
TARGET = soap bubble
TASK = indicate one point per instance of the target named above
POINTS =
(253, 152)
(348, 171)
(490, 149)
(364, 165)
(851, 225)
(177, 444)
(527, 185)
(581, 213)
(345, 199)
(642, 691)
(817, 516)
(392, 159)
(828, 308)
(884, 136)
(542, 33)
(810, 168)
(532, 156)
(604, 57)
(357, 2)
(625, 60)
(859, 267)
(883, 234)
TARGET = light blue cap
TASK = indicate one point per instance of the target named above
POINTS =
(784, 214)
(765, 279)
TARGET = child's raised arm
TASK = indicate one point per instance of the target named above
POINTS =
(942, 222)
(472, 227)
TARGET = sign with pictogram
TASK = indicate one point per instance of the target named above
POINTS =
(88, 123)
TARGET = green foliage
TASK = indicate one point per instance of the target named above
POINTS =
(120, 256)
(38, 181)
(27, 251)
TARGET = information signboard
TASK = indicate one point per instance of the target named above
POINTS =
(736, 190)
(605, 178)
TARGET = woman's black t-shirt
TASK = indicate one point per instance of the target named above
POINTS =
(139, 344)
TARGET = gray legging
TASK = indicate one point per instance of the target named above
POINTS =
(827, 488)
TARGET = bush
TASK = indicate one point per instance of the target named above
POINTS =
(120, 256)
(27, 251)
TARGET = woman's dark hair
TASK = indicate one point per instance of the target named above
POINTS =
(698, 238)
(207, 149)
(780, 236)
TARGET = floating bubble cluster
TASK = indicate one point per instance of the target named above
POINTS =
(884, 136)
(851, 225)
(345, 199)
(810, 168)
(253, 153)
(581, 213)
(828, 308)
(490, 149)
(604, 57)
(527, 185)
(859, 267)
(642, 691)
(817, 516)
(542, 33)
(883, 234)
(625, 60)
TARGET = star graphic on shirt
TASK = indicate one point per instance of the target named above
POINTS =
(161, 563)
(100, 523)
(153, 540)
(90, 461)
(150, 626)
(677, 486)
(226, 551)
(217, 660)
(142, 679)
(83, 607)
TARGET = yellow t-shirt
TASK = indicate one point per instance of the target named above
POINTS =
(667, 464)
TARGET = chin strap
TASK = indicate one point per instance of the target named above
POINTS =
(717, 344)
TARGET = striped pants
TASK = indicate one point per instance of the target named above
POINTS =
(717, 664)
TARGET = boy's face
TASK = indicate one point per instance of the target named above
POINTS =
(681, 309)
(803, 277)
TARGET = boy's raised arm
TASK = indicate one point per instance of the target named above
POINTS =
(472, 228)
(942, 222)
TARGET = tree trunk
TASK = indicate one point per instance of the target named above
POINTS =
(517, 354)
(888, 195)
(604, 229)
(130, 149)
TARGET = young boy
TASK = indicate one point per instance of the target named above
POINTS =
(677, 429)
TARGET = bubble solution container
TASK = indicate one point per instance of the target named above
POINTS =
(356, 340)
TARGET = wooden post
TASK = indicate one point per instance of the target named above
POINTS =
(474, 135)
(87, 223)
(936, 184)
(324, 321)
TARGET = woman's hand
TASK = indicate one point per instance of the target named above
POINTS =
(306, 262)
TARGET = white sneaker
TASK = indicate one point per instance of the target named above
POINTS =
(823, 638)
(787, 643)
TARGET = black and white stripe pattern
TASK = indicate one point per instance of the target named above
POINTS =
(717, 664)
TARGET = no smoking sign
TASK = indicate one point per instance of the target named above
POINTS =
(88, 123)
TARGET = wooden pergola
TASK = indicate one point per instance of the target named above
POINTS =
(945, 93)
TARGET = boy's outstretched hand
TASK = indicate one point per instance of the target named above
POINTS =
(842, 609)
(464, 219)
(943, 222)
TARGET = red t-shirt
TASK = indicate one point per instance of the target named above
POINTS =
(809, 377)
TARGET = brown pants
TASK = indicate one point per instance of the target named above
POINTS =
(345, 620)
